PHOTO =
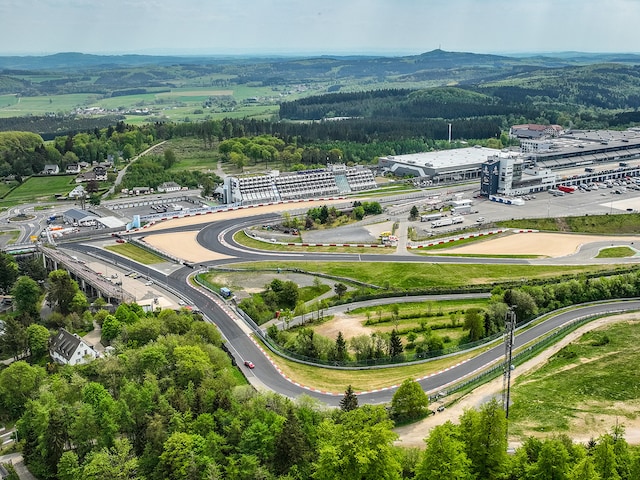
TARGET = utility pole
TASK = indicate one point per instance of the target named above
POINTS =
(510, 325)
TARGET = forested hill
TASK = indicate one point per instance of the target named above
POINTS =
(437, 65)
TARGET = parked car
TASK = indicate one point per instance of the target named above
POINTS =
(249, 364)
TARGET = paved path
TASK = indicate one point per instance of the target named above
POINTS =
(16, 460)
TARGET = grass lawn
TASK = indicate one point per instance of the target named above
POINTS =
(243, 239)
(596, 224)
(616, 252)
(135, 253)
(41, 188)
(593, 377)
(420, 276)
(337, 380)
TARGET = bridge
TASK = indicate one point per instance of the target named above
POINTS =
(94, 284)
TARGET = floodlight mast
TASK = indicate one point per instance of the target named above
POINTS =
(510, 325)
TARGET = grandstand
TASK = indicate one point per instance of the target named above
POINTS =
(274, 186)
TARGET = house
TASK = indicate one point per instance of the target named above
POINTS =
(69, 349)
(83, 165)
(51, 169)
(169, 187)
(140, 190)
(73, 168)
(86, 177)
(77, 192)
(100, 173)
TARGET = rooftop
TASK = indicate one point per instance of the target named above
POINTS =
(450, 158)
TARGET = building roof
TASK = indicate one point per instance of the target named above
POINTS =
(65, 344)
(443, 159)
(76, 214)
(169, 185)
(111, 222)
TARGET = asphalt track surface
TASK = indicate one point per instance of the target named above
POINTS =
(217, 237)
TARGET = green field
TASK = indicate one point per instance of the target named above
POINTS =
(10, 106)
(590, 379)
(135, 253)
(616, 252)
(40, 189)
(410, 275)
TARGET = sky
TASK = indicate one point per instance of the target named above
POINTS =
(388, 27)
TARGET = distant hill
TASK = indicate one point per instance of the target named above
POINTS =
(436, 59)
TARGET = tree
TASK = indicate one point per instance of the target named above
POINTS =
(14, 337)
(484, 434)
(604, 459)
(170, 158)
(340, 350)
(358, 446)
(8, 272)
(33, 268)
(17, 383)
(349, 401)
(95, 199)
(183, 457)
(291, 446)
(68, 466)
(117, 462)
(79, 303)
(340, 289)
(26, 297)
(111, 328)
(61, 290)
(444, 458)
(395, 344)
(93, 186)
(474, 322)
(414, 213)
(37, 340)
(584, 470)
(553, 461)
(409, 402)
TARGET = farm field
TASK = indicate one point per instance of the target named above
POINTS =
(12, 106)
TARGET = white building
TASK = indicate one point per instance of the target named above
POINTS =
(77, 192)
(70, 349)
(51, 169)
(456, 164)
(167, 187)
(275, 187)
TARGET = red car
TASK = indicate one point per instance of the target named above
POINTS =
(121, 240)
(249, 364)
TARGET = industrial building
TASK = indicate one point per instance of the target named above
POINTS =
(579, 157)
(457, 164)
(275, 186)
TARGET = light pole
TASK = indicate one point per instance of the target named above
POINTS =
(510, 325)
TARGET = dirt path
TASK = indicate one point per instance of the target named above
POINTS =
(413, 435)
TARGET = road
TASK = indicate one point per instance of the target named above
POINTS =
(217, 236)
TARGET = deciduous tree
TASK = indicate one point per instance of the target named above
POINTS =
(409, 402)
(358, 446)
(26, 298)
(444, 458)
(37, 340)
(8, 272)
